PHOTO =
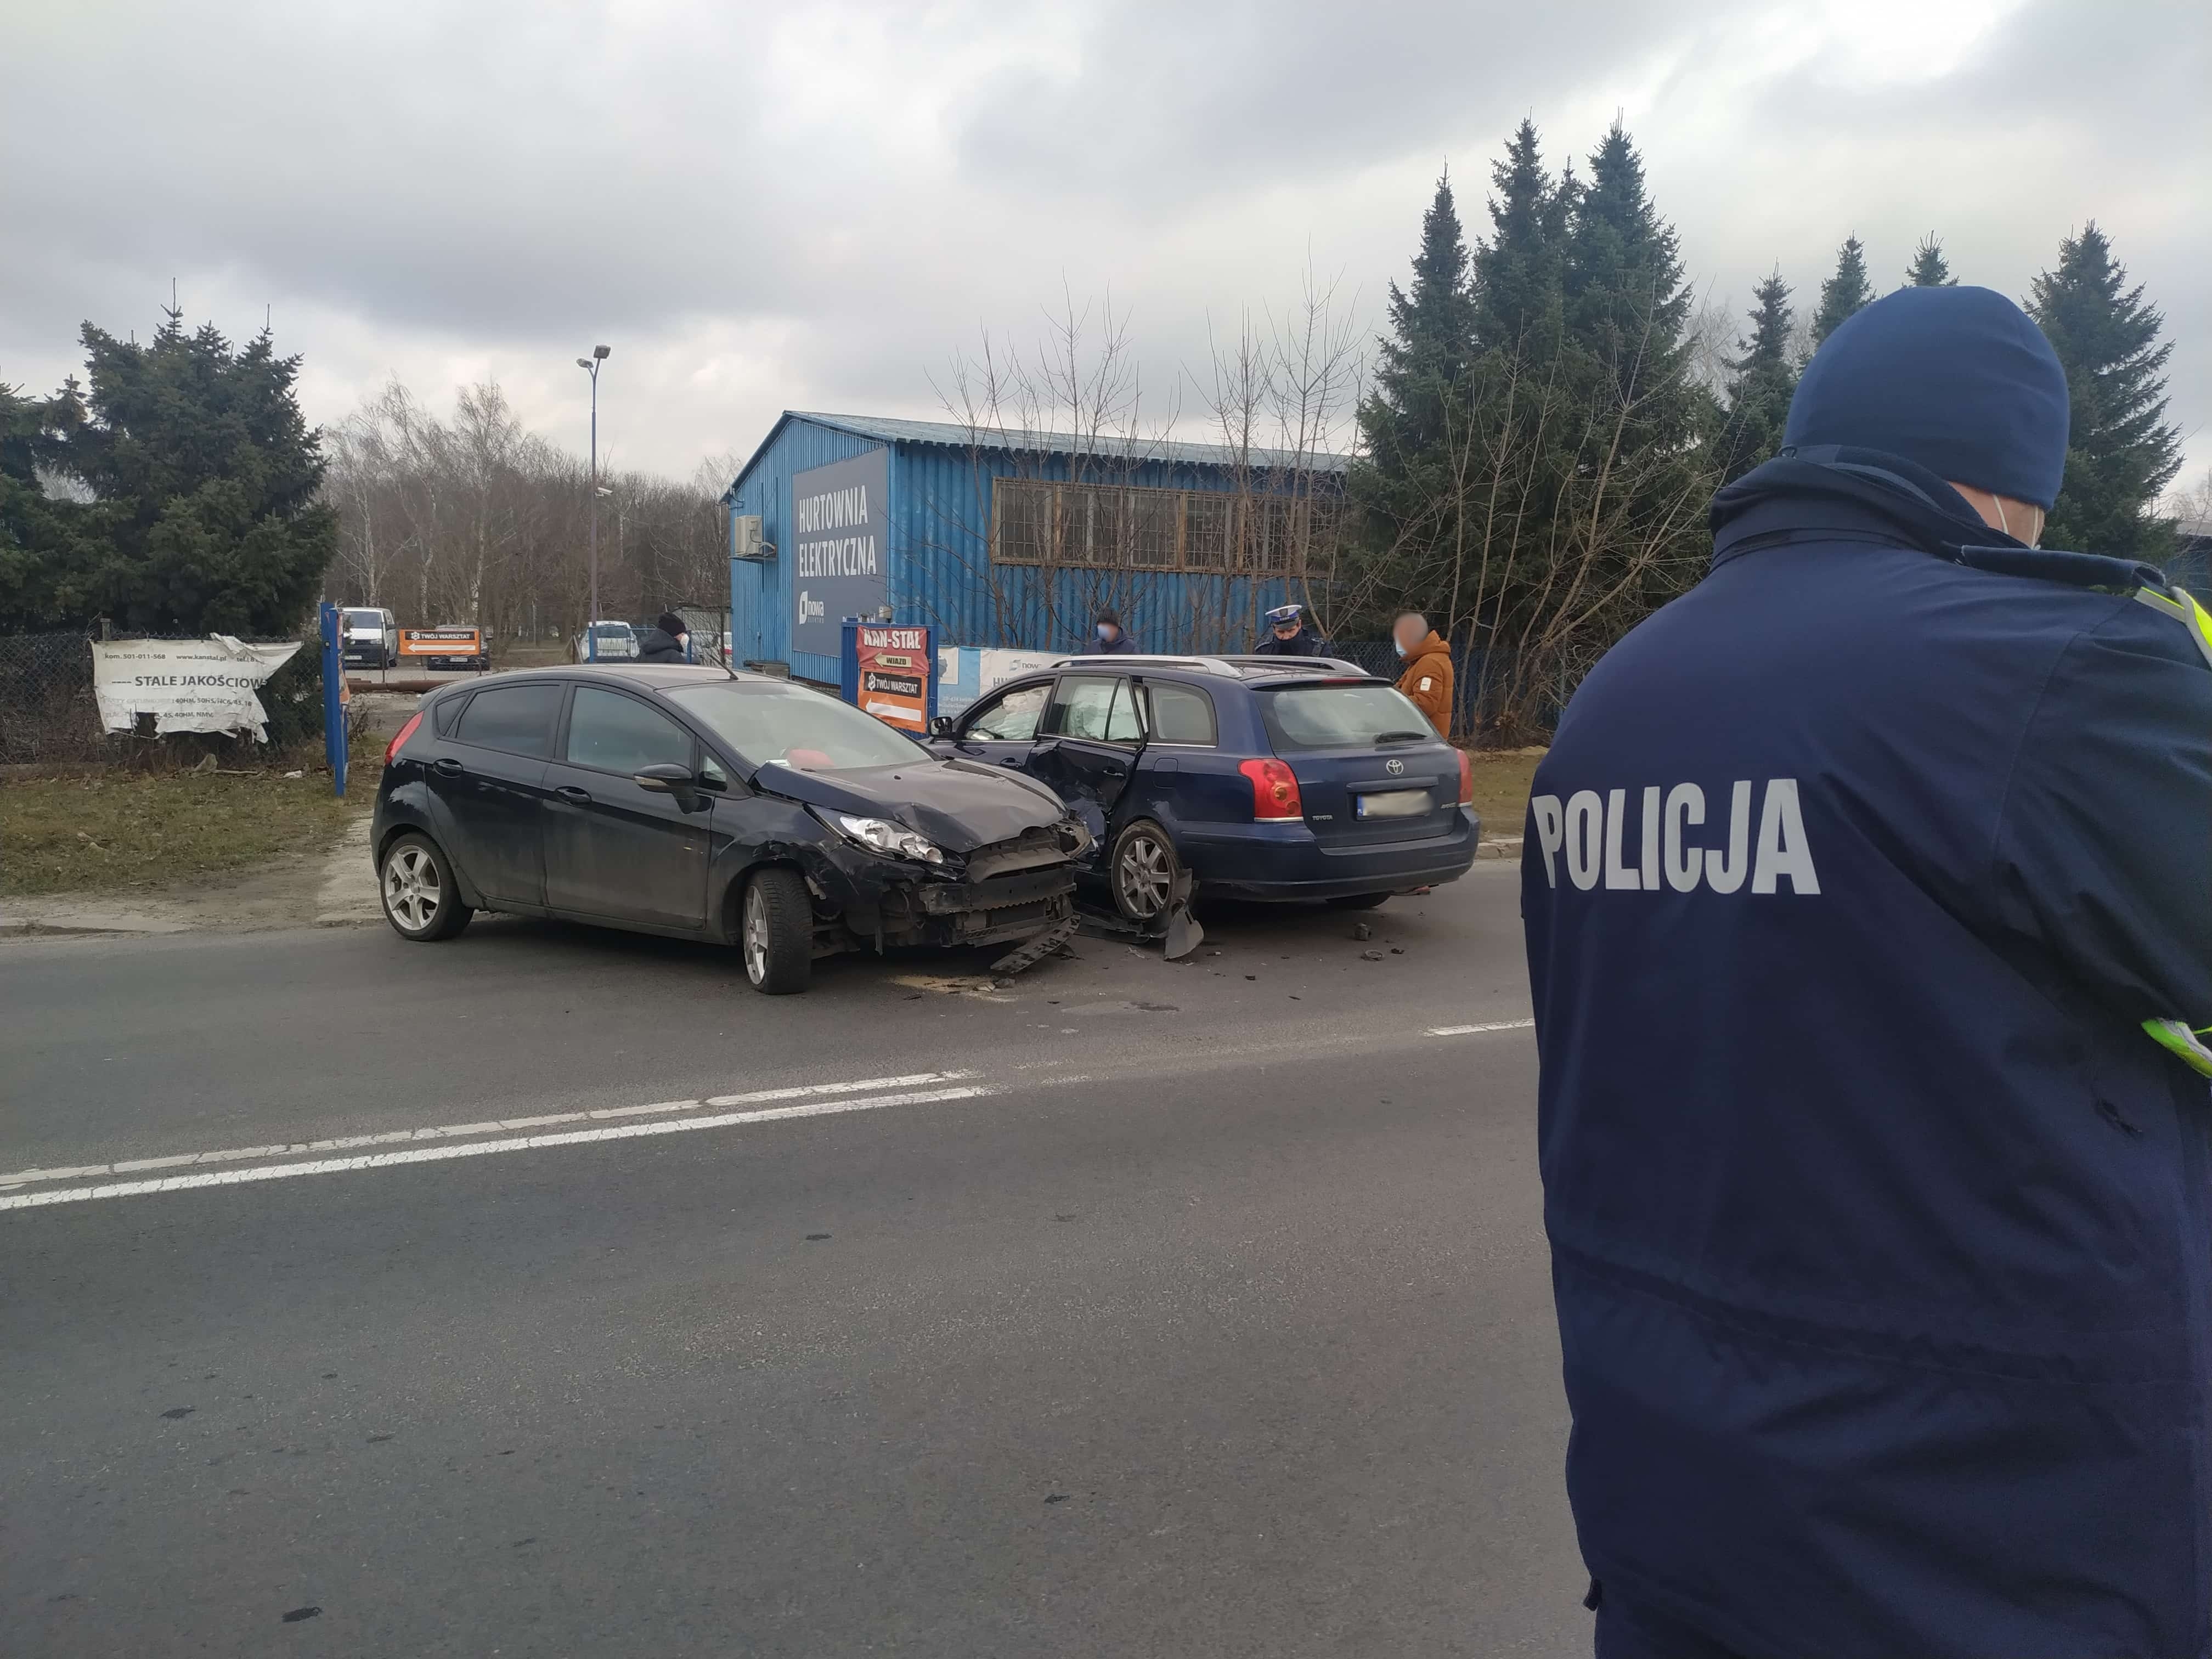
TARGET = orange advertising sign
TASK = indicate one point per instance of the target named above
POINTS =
(894, 675)
(440, 642)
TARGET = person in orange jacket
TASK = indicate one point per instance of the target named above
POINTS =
(1428, 676)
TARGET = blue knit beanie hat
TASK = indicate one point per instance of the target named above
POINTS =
(1959, 379)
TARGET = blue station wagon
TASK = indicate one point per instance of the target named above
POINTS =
(1265, 777)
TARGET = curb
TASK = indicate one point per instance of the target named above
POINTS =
(1505, 847)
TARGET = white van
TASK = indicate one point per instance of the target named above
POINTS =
(371, 638)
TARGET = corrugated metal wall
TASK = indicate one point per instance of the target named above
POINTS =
(760, 590)
(941, 573)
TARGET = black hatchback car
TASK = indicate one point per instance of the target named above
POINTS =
(701, 804)
(1265, 777)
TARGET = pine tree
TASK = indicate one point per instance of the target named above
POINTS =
(1415, 411)
(1928, 268)
(1626, 300)
(1845, 293)
(203, 474)
(1520, 266)
(1763, 382)
(43, 546)
(1425, 355)
(2122, 453)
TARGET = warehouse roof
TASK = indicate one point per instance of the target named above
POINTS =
(890, 429)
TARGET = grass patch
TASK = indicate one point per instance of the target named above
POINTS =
(117, 830)
(1502, 777)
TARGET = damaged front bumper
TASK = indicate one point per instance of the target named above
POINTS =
(882, 901)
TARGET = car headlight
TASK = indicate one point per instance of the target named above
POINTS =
(881, 835)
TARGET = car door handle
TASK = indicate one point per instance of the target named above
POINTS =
(569, 792)
(1010, 760)
(447, 767)
(1115, 772)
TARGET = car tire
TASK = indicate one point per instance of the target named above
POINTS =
(776, 932)
(415, 883)
(1359, 901)
(1141, 871)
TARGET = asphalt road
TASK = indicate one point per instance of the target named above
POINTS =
(1139, 1309)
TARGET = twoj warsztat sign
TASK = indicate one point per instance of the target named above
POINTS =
(187, 685)
(840, 547)
(894, 674)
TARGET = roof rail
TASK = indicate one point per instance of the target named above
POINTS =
(1269, 659)
(1097, 660)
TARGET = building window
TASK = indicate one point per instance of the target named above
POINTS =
(1122, 527)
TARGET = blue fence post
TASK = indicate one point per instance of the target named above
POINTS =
(334, 724)
(849, 661)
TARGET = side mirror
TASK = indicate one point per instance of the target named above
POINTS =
(666, 778)
(941, 726)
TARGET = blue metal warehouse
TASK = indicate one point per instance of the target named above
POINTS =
(1014, 538)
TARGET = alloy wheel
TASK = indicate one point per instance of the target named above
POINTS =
(412, 891)
(1142, 875)
(755, 935)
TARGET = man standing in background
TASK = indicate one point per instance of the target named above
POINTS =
(1868, 903)
(1427, 679)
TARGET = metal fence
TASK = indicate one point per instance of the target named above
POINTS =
(47, 708)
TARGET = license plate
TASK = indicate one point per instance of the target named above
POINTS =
(1398, 804)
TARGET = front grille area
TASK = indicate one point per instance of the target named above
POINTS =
(1032, 849)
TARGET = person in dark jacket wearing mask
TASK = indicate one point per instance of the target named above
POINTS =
(667, 641)
(1868, 909)
(1108, 638)
(1288, 635)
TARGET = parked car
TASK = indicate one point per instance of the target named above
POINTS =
(370, 638)
(616, 642)
(1265, 777)
(698, 804)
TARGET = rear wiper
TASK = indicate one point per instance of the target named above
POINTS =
(1404, 737)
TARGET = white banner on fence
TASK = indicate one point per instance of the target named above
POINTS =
(187, 685)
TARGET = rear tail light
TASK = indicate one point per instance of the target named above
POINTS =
(392, 750)
(1275, 789)
(1465, 778)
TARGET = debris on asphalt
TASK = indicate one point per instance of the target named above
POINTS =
(1397, 949)
(1033, 950)
(1362, 931)
(1371, 956)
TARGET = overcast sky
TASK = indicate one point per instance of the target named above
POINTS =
(814, 205)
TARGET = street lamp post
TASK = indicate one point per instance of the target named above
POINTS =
(590, 366)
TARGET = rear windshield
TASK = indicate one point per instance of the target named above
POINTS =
(612, 630)
(364, 619)
(1348, 716)
(798, 727)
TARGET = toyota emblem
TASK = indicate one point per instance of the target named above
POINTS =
(1394, 768)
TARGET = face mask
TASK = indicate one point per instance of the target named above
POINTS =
(1104, 632)
(1399, 649)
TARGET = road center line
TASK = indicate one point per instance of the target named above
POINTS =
(453, 1131)
(481, 1148)
(1474, 1030)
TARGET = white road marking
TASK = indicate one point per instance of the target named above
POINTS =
(1472, 1030)
(453, 1131)
(481, 1148)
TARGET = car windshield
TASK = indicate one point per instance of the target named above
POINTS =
(364, 619)
(768, 723)
(1355, 714)
(612, 630)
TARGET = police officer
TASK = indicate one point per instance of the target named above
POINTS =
(1288, 635)
(1860, 881)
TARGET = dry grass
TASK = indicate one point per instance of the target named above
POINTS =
(115, 830)
(1501, 788)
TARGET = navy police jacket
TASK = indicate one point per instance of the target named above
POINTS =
(1879, 1227)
